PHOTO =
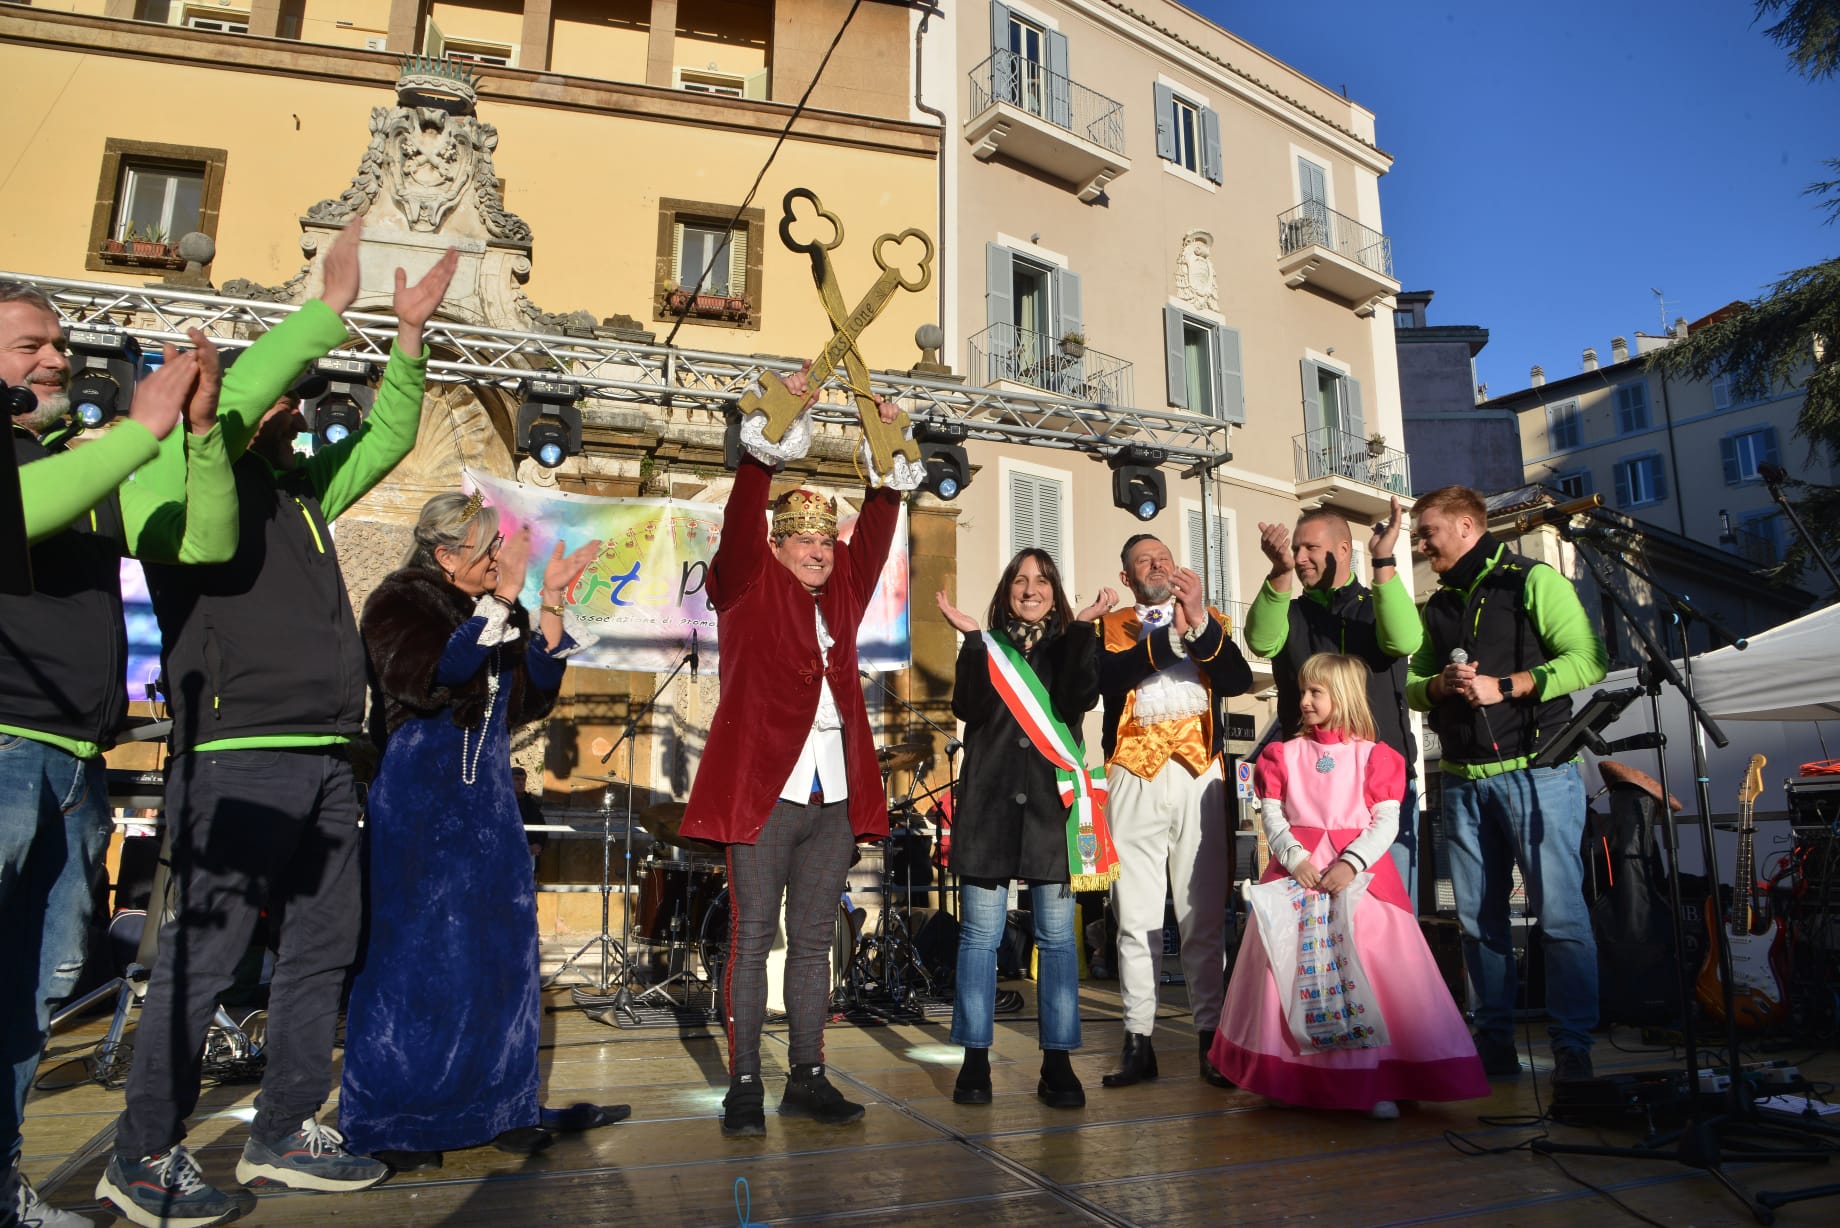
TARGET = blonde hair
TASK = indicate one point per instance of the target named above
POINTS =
(444, 522)
(1345, 678)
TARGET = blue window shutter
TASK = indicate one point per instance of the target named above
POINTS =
(999, 285)
(1354, 426)
(1728, 453)
(1661, 486)
(1003, 61)
(1067, 303)
(1210, 145)
(1767, 450)
(1622, 483)
(1060, 90)
(1165, 122)
(1313, 181)
(1312, 406)
(1175, 358)
(1228, 375)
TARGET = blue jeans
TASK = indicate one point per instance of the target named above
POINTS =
(984, 910)
(1404, 848)
(54, 827)
(1533, 817)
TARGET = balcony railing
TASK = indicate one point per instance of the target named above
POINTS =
(1022, 356)
(1043, 120)
(1332, 452)
(1315, 223)
(1063, 102)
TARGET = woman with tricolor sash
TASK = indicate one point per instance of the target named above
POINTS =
(1028, 809)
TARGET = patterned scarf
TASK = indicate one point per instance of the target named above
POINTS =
(1024, 635)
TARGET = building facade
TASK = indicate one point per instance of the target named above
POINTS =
(1143, 209)
(1451, 439)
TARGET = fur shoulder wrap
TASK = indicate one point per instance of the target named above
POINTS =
(406, 626)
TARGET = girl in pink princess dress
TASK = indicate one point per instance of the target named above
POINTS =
(1304, 1023)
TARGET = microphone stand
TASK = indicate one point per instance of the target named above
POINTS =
(1698, 1143)
(621, 1004)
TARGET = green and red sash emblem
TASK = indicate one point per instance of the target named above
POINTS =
(1092, 862)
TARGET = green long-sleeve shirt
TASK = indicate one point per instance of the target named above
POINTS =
(1396, 622)
(1577, 655)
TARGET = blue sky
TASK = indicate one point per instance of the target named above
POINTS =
(1556, 161)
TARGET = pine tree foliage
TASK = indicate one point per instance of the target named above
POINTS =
(1809, 30)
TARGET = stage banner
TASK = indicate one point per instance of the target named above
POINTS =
(647, 590)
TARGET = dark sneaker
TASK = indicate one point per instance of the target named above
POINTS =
(810, 1094)
(311, 1158)
(1500, 1060)
(163, 1191)
(21, 1202)
(744, 1112)
(1572, 1065)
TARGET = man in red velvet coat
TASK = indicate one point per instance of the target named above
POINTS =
(789, 779)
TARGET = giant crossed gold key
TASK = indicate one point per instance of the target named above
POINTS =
(886, 439)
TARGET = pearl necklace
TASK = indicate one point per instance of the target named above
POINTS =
(470, 754)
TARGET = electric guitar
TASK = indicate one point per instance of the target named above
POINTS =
(1757, 997)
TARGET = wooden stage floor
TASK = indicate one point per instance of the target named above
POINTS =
(1173, 1152)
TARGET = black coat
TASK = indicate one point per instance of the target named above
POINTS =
(1010, 821)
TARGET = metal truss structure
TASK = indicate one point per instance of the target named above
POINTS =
(617, 375)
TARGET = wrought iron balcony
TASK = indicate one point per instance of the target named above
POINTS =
(1341, 469)
(1319, 247)
(1046, 121)
(1021, 356)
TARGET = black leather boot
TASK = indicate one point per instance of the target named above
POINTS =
(744, 1113)
(810, 1094)
(1059, 1087)
(1209, 1073)
(1139, 1062)
(973, 1084)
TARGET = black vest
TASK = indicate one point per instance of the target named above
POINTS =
(264, 644)
(1493, 627)
(1348, 624)
(63, 650)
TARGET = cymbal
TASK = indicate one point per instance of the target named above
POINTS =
(903, 758)
(605, 780)
(666, 820)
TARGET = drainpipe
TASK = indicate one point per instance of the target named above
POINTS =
(1667, 416)
(939, 240)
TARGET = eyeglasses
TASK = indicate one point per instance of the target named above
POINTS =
(492, 550)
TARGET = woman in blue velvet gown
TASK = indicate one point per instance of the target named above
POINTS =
(442, 1030)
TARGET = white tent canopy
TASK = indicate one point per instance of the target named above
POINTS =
(1790, 673)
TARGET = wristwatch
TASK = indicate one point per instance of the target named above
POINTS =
(1506, 683)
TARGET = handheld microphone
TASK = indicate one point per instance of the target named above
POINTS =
(1558, 513)
(694, 655)
(1459, 657)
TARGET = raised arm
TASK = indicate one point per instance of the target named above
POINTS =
(191, 519)
(57, 489)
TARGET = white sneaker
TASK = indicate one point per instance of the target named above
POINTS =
(21, 1201)
(1384, 1110)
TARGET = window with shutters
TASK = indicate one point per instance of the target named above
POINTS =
(1574, 484)
(1564, 426)
(1743, 453)
(1640, 480)
(1335, 428)
(1187, 135)
(709, 263)
(1208, 554)
(1203, 361)
(1631, 408)
(1035, 513)
(1763, 537)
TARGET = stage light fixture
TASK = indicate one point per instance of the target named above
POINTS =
(104, 365)
(948, 469)
(1137, 480)
(548, 423)
(335, 396)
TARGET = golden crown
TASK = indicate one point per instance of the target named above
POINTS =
(804, 511)
(474, 502)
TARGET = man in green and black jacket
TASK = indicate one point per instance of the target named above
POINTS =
(1337, 613)
(1506, 643)
(265, 675)
(63, 653)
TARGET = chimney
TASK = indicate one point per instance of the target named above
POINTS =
(1537, 377)
(1619, 349)
(1680, 328)
(1590, 358)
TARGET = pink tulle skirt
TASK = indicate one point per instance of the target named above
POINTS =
(1430, 1055)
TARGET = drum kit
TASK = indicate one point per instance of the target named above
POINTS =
(676, 941)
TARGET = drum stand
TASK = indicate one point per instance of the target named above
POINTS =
(620, 1004)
